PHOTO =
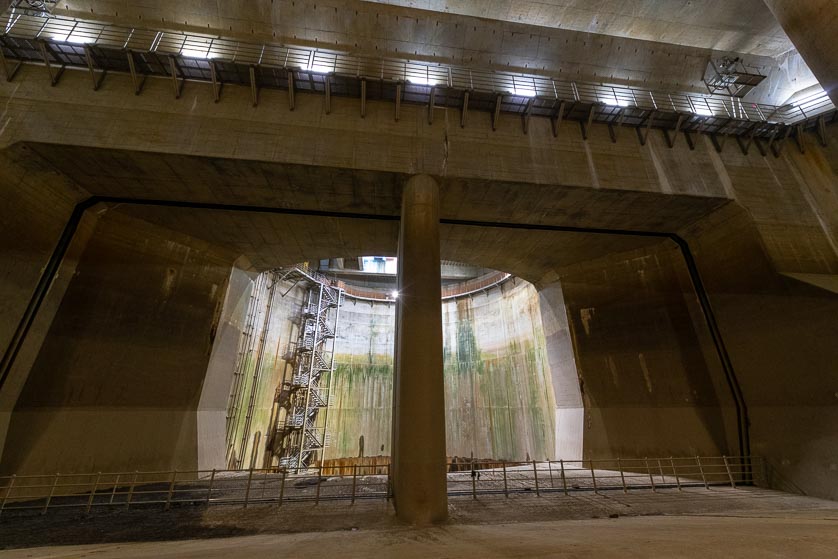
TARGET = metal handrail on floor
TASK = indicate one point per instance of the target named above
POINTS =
(167, 489)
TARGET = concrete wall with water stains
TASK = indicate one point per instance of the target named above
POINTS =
(117, 381)
(651, 384)
(360, 422)
(251, 410)
(498, 388)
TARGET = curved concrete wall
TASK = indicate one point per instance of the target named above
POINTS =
(498, 388)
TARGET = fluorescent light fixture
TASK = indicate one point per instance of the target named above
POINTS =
(195, 53)
(320, 69)
(419, 80)
(76, 39)
(525, 91)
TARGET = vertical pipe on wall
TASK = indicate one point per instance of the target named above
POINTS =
(258, 366)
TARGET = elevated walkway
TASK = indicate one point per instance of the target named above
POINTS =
(59, 43)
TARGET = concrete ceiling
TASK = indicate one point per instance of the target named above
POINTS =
(657, 44)
(270, 240)
(745, 26)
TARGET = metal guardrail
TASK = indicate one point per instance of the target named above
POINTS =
(71, 42)
(243, 488)
(202, 487)
(618, 474)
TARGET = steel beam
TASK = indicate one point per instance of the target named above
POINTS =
(363, 98)
(464, 110)
(398, 108)
(821, 128)
(135, 79)
(556, 120)
(526, 116)
(97, 80)
(586, 125)
(54, 76)
(760, 147)
(744, 147)
(327, 89)
(254, 86)
(177, 83)
(798, 138)
(689, 138)
(615, 124)
(217, 86)
(777, 144)
(643, 133)
(291, 100)
(10, 74)
(431, 105)
(670, 140)
(719, 145)
(496, 114)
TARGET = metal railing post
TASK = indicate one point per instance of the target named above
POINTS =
(264, 485)
(535, 473)
(660, 469)
(7, 493)
(622, 475)
(171, 491)
(564, 479)
(354, 480)
(473, 482)
(113, 493)
(131, 490)
(729, 473)
(247, 489)
(675, 472)
(550, 469)
(651, 477)
(701, 469)
(51, 493)
(282, 488)
(93, 493)
(317, 495)
(505, 485)
(209, 489)
(593, 475)
(388, 493)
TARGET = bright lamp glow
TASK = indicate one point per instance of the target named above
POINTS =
(394, 294)
(525, 91)
(76, 39)
(195, 53)
(319, 69)
(420, 80)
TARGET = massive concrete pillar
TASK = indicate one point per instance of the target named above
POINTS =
(419, 471)
(570, 411)
(811, 25)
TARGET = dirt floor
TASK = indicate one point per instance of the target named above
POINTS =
(745, 522)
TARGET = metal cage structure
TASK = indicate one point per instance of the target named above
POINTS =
(730, 76)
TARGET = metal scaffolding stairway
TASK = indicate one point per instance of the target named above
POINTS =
(301, 436)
